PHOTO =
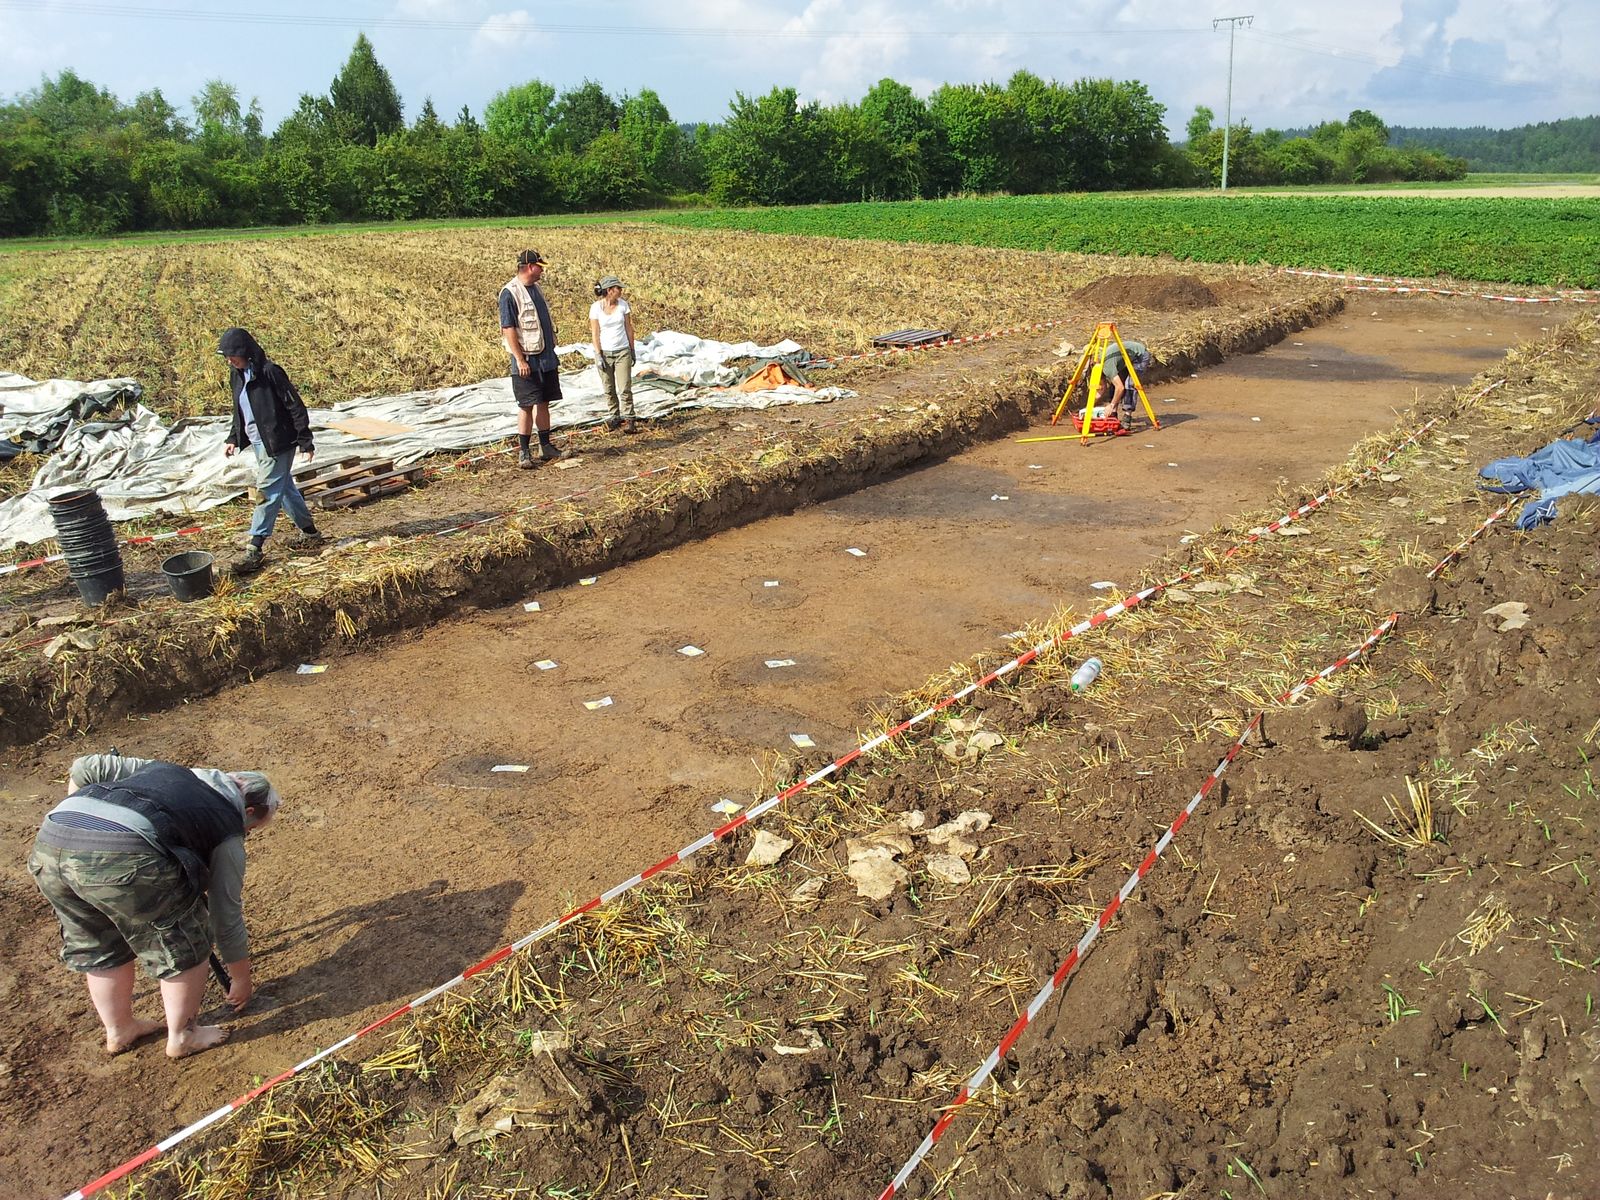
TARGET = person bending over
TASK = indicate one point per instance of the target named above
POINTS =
(144, 861)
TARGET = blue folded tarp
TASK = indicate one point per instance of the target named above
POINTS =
(1559, 469)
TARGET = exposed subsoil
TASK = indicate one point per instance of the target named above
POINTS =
(401, 856)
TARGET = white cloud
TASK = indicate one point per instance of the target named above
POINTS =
(514, 30)
(1415, 62)
(841, 67)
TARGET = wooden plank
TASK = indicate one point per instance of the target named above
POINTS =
(369, 427)
(312, 470)
(360, 490)
(350, 501)
(340, 479)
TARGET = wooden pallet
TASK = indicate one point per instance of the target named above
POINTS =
(304, 473)
(370, 487)
(351, 482)
(337, 477)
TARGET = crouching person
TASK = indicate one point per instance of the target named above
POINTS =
(145, 860)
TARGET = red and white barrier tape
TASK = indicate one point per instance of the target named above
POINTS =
(145, 539)
(1058, 980)
(141, 540)
(744, 818)
(1381, 283)
(1456, 552)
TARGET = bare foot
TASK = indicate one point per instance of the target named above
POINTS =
(130, 1036)
(195, 1039)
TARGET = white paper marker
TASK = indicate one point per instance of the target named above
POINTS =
(589, 581)
(1035, 466)
(769, 583)
(780, 662)
(690, 651)
(855, 551)
(803, 740)
(726, 807)
(546, 664)
(309, 669)
(518, 768)
(998, 496)
(603, 702)
(1102, 585)
(532, 606)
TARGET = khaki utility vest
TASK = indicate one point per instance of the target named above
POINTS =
(529, 332)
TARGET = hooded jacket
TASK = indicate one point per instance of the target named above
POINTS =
(280, 414)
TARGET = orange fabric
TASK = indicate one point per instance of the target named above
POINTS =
(770, 376)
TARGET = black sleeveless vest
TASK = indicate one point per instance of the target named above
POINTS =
(190, 819)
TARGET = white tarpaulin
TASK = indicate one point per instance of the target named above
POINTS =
(141, 466)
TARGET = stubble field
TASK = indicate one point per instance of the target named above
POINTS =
(375, 314)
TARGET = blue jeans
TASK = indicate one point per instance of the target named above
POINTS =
(276, 485)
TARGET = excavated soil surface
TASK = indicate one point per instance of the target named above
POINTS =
(1157, 293)
(401, 856)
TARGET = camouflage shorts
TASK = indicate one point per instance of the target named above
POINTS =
(117, 905)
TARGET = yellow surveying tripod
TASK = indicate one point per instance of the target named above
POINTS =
(1093, 360)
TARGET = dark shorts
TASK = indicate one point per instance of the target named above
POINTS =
(540, 387)
(115, 905)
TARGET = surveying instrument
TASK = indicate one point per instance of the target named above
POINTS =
(1099, 422)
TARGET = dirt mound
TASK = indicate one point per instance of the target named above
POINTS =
(1158, 293)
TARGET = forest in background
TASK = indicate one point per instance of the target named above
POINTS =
(77, 160)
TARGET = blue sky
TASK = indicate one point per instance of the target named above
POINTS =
(1415, 62)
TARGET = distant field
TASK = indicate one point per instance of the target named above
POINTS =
(1511, 183)
(1549, 242)
(1535, 230)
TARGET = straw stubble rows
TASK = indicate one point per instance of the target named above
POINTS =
(385, 313)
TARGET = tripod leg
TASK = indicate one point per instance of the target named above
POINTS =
(1077, 374)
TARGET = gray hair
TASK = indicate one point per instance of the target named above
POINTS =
(258, 791)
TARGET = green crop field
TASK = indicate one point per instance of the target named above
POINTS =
(1554, 243)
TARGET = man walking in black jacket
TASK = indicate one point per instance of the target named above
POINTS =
(269, 415)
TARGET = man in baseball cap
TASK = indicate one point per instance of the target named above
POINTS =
(530, 339)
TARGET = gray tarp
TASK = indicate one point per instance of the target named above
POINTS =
(141, 466)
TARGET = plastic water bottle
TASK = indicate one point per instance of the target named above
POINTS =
(1086, 674)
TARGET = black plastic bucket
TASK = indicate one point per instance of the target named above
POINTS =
(89, 543)
(97, 589)
(189, 574)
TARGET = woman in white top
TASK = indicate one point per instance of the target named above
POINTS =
(611, 328)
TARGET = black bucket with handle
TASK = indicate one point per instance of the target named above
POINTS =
(89, 543)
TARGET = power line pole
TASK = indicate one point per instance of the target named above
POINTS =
(1227, 116)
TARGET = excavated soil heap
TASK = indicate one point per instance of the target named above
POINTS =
(1158, 293)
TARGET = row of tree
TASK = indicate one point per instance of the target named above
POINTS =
(1356, 150)
(75, 160)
